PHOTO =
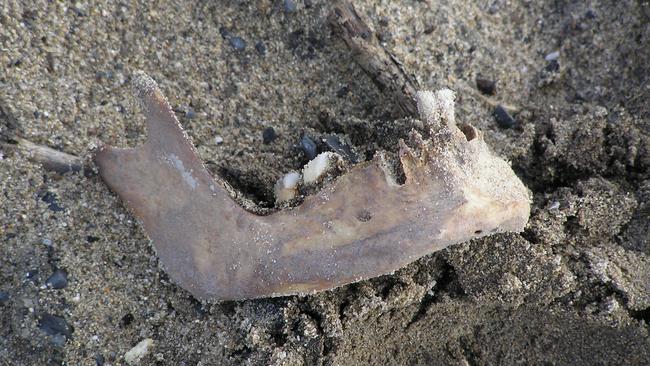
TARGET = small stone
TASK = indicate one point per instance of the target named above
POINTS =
(31, 274)
(189, 113)
(503, 118)
(268, 135)
(91, 238)
(137, 353)
(51, 199)
(218, 140)
(308, 147)
(58, 280)
(224, 32)
(237, 43)
(4, 297)
(126, 320)
(486, 86)
(552, 56)
(55, 325)
(289, 6)
(47, 242)
(343, 91)
(260, 48)
(99, 360)
(553, 66)
(335, 144)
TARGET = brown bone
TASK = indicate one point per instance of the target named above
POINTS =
(362, 225)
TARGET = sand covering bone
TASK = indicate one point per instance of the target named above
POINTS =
(364, 224)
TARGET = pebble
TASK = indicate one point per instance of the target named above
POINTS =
(224, 32)
(55, 325)
(51, 199)
(343, 91)
(503, 118)
(99, 360)
(552, 56)
(126, 320)
(333, 142)
(486, 86)
(308, 147)
(137, 353)
(290, 6)
(268, 135)
(91, 238)
(261, 48)
(553, 66)
(4, 297)
(218, 140)
(237, 43)
(58, 280)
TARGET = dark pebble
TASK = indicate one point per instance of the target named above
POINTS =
(237, 43)
(31, 274)
(486, 86)
(333, 142)
(553, 66)
(308, 3)
(55, 325)
(99, 360)
(261, 48)
(4, 297)
(308, 147)
(91, 238)
(51, 199)
(503, 118)
(224, 32)
(343, 91)
(126, 320)
(268, 135)
(58, 279)
(289, 6)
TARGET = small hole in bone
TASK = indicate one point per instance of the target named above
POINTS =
(469, 131)
(364, 216)
(478, 232)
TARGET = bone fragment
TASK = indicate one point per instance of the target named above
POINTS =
(361, 225)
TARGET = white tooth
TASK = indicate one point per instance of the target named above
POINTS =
(319, 166)
(285, 187)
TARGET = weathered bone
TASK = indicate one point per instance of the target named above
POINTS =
(362, 225)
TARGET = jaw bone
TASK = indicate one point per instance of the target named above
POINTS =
(362, 225)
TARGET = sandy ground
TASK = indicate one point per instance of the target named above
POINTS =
(574, 288)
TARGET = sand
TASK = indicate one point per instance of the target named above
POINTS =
(573, 288)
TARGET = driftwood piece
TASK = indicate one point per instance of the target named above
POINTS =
(51, 159)
(382, 66)
(362, 225)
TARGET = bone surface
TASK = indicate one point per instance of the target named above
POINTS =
(363, 224)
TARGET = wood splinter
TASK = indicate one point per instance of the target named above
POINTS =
(362, 225)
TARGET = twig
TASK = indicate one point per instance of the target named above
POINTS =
(49, 158)
(382, 66)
